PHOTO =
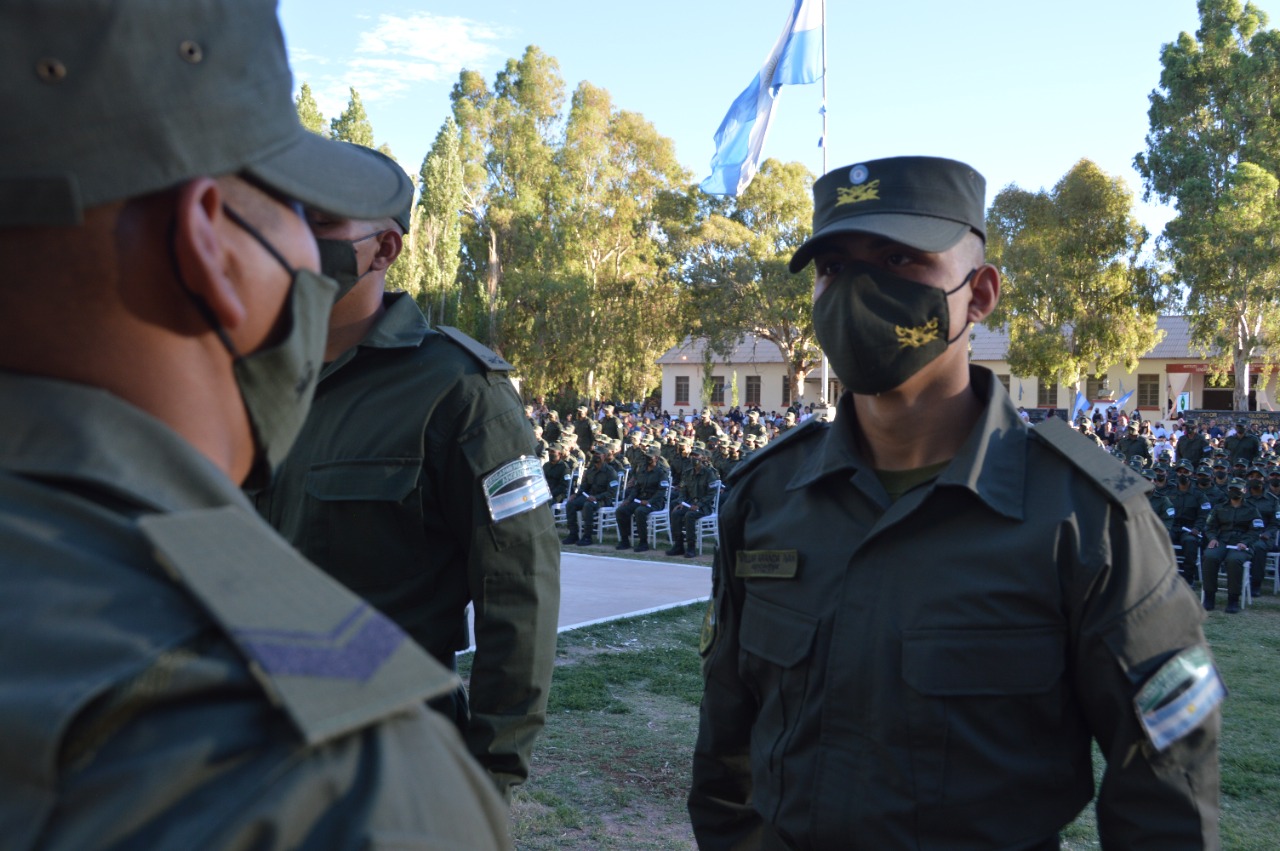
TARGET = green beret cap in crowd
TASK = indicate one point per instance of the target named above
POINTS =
(927, 203)
(105, 100)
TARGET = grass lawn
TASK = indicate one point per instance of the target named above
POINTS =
(611, 770)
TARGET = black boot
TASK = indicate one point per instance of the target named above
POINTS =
(1233, 606)
(677, 550)
(623, 544)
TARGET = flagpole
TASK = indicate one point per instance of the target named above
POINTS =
(826, 364)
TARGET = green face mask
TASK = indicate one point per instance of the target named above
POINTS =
(277, 383)
(878, 330)
(338, 261)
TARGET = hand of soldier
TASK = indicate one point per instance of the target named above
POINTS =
(1213, 544)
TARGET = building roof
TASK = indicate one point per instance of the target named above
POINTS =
(989, 345)
(750, 349)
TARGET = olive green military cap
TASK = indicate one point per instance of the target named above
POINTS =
(112, 99)
(653, 450)
(928, 203)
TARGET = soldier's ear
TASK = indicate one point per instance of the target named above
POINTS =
(205, 259)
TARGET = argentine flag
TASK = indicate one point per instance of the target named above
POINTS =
(796, 59)
(1079, 406)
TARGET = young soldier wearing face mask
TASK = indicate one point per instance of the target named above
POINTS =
(925, 612)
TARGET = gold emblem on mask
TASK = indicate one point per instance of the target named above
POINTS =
(914, 338)
(854, 194)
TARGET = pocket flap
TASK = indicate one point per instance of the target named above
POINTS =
(776, 634)
(389, 479)
(945, 662)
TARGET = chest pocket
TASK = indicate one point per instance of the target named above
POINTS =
(365, 521)
(980, 705)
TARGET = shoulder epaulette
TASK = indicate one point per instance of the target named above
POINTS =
(328, 659)
(490, 359)
(1116, 480)
(810, 426)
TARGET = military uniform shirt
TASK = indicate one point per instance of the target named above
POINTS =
(174, 675)
(385, 491)
(928, 674)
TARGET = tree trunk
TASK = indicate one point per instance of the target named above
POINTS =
(493, 277)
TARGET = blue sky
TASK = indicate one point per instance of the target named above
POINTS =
(1020, 90)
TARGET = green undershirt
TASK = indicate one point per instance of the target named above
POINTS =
(898, 482)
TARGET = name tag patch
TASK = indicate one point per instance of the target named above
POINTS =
(514, 488)
(767, 564)
(1179, 697)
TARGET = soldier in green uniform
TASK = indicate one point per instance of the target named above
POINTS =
(1160, 504)
(552, 431)
(599, 483)
(1232, 529)
(697, 496)
(414, 483)
(610, 424)
(1134, 444)
(174, 674)
(706, 428)
(584, 429)
(754, 428)
(1192, 446)
(1190, 512)
(924, 612)
(649, 495)
(557, 472)
(1268, 506)
(1242, 444)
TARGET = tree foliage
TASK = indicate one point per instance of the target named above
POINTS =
(353, 124)
(561, 260)
(439, 225)
(734, 260)
(309, 111)
(1213, 148)
(1076, 298)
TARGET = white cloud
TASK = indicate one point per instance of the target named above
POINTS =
(400, 51)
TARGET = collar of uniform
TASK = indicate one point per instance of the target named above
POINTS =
(999, 431)
(61, 430)
(402, 326)
(1001, 434)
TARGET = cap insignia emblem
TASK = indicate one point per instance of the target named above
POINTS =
(856, 194)
(914, 338)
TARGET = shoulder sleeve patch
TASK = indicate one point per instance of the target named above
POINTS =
(327, 658)
(1115, 479)
(485, 355)
(810, 427)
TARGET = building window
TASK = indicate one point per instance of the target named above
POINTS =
(1095, 388)
(786, 390)
(1149, 391)
(1046, 394)
(753, 391)
(717, 389)
(682, 390)
(1004, 382)
(833, 390)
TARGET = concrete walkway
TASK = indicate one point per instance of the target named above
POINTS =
(599, 588)
(602, 588)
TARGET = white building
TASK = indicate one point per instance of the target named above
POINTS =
(756, 371)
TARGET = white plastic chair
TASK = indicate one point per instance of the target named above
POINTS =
(558, 512)
(709, 526)
(607, 515)
(660, 521)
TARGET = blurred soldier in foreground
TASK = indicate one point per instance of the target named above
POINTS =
(174, 674)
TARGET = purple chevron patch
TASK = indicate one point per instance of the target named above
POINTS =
(353, 650)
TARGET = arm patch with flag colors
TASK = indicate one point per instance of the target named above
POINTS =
(1179, 697)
